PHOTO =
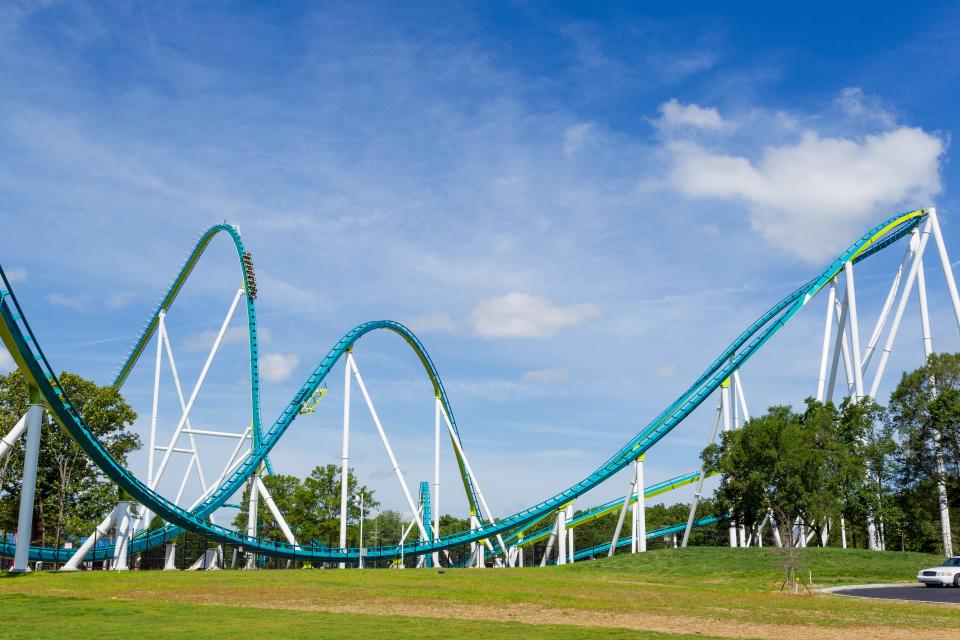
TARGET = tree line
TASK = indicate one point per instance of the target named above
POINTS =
(832, 468)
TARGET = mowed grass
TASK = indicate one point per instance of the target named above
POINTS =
(696, 592)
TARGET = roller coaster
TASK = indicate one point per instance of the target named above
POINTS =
(499, 537)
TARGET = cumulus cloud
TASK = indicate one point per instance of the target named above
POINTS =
(203, 340)
(574, 137)
(546, 376)
(673, 114)
(78, 302)
(277, 367)
(16, 274)
(432, 322)
(521, 315)
(6, 361)
(668, 370)
(809, 196)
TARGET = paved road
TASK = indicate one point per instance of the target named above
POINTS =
(916, 593)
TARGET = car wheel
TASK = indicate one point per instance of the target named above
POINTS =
(956, 580)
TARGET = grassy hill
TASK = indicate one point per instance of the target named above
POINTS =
(697, 592)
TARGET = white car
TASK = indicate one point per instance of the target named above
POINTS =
(948, 573)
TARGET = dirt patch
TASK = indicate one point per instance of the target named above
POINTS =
(532, 614)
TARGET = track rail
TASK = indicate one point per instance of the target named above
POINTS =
(26, 351)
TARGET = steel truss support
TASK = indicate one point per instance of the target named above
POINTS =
(623, 512)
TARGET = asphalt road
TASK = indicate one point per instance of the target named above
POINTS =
(916, 593)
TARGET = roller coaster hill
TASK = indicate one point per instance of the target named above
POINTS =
(125, 533)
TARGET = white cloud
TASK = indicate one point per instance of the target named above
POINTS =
(546, 376)
(574, 137)
(668, 370)
(432, 322)
(80, 302)
(6, 361)
(853, 103)
(277, 367)
(121, 299)
(203, 340)
(809, 197)
(674, 115)
(16, 274)
(521, 315)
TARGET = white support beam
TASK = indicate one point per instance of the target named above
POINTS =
(435, 496)
(470, 474)
(345, 455)
(7, 442)
(725, 413)
(196, 389)
(889, 300)
(945, 262)
(854, 330)
(28, 487)
(638, 541)
(838, 344)
(386, 445)
(942, 497)
(699, 490)
(901, 307)
(623, 512)
(275, 511)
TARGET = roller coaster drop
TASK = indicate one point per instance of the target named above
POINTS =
(247, 464)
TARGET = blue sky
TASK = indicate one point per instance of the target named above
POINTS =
(574, 205)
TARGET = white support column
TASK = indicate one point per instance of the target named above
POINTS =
(272, 505)
(571, 553)
(738, 391)
(435, 497)
(843, 532)
(839, 346)
(345, 456)
(156, 399)
(945, 261)
(252, 517)
(854, 330)
(101, 532)
(774, 529)
(28, 488)
(386, 445)
(825, 351)
(122, 530)
(196, 389)
(944, 503)
(901, 307)
(170, 557)
(888, 302)
(562, 535)
(623, 513)
(699, 490)
(470, 474)
(7, 442)
(638, 542)
(725, 412)
(550, 542)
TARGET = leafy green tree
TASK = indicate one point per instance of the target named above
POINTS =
(72, 493)
(924, 412)
(780, 462)
(311, 507)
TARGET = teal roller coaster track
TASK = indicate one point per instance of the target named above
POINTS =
(25, 348)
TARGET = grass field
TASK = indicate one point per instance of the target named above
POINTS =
(732, 594)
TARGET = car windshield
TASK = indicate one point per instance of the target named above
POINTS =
(951, 562)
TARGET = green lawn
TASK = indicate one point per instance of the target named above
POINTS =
(697, 592)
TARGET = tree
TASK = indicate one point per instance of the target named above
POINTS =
(72, 493)
(925, 414)
(311, 507)
(803, 468)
